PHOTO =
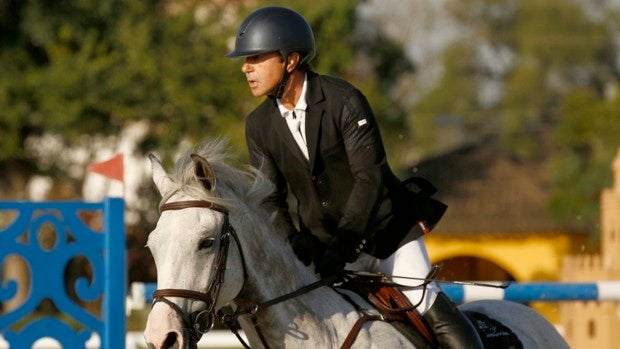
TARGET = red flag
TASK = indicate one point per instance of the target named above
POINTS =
(112, 168)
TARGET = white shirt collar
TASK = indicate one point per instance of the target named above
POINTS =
(301, 105)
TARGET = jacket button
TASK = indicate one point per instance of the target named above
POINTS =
(324, 203)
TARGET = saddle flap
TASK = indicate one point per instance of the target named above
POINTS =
(391, 303)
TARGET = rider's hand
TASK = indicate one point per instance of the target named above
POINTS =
(305, 246)
(329, 264)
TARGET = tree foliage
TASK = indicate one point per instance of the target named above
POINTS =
(87, 67)
(566, 64)
(91, 67)
(588, 141)
(561, 67)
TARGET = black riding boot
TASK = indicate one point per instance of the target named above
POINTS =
(450, 326)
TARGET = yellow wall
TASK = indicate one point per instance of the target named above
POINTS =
(527, 257)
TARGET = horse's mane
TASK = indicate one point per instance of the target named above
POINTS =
(246, 186)
(243, 192)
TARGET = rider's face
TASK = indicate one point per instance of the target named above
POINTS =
(263, 72)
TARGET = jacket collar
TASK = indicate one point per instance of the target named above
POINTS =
(315, 110)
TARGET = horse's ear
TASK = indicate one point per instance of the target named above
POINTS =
(160, 177)
(204, 173)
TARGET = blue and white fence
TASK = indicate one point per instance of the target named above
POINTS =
(536, 291)
(141, 294)
(21, 224)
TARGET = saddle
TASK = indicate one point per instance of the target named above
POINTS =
(394, 307)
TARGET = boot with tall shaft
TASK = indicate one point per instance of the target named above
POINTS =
(450, 326)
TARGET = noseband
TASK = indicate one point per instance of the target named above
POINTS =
(199, 322)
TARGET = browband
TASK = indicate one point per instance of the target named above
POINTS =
(179, 205)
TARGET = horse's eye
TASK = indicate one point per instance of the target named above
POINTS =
(205, 243)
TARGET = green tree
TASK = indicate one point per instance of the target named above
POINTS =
(563, 61)
(564, 64)
(559, 50)
(588, 142)
(86, 67)
(454, 96)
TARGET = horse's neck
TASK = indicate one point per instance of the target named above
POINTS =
(274, 271)
(271, 266)
(319, 318)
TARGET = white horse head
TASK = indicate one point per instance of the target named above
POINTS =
(187, 240)
(214, 246)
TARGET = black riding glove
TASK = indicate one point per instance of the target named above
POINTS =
(329, 264)
(306, 246)
(344, 248)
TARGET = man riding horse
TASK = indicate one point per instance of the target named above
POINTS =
(316, 137)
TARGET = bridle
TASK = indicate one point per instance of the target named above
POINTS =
(197, 323)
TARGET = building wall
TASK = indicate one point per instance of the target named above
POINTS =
(527, 257)
(596, 324)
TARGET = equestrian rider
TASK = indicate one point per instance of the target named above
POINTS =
(316, 137)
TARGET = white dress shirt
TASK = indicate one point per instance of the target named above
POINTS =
(296, 119)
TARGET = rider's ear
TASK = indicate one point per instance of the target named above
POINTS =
(203, 172)
(292, 61)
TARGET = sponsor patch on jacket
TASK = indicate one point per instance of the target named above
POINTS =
(362, 123)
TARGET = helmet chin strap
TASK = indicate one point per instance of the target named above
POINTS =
(279, 91)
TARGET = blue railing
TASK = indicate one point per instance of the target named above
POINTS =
(91, 232)
(537, 291)
(141, 294)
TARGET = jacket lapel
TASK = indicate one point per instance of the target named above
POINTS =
(284, 133)
(314, 99)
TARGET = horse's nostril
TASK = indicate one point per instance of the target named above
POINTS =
(171, 340)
